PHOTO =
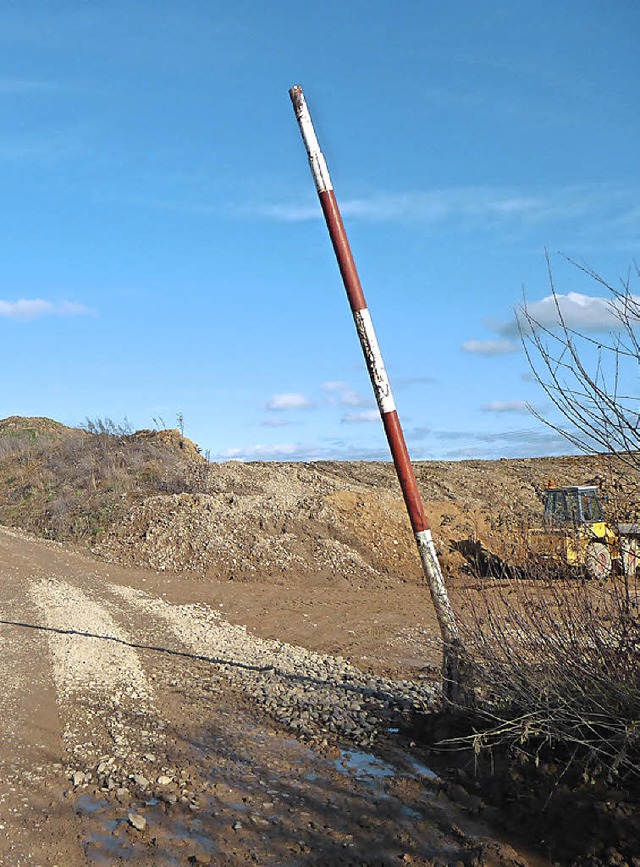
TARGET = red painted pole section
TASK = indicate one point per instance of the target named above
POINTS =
(380, 383)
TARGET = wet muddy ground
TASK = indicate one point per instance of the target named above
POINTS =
(142, 726)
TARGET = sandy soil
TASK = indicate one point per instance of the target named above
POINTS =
(141, 724)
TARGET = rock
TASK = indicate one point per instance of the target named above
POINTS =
(164, 780)
(237, 826)
(137, 821)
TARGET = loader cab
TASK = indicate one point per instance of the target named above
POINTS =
(574, 505)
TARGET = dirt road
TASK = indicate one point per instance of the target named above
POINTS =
(139, 725)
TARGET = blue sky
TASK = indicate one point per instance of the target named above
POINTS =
(161, 247)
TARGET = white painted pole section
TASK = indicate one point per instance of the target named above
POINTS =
(431, 566)
(375, 364)
(317, 161)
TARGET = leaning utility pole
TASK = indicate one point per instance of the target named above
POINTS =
(452, 648)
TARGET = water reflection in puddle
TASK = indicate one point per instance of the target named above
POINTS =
(103, 848)
(367, 766)
(106, 844)
(424, 771)
(363, 765)
(87, 804)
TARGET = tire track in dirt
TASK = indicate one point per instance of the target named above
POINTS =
(37, 824)
(80, 661)
(99, 678)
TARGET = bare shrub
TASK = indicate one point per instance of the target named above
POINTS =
(590, 381)
(556, 660)
(556, 669)
(107, 427)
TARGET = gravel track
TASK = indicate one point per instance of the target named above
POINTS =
(80, 662)
(309, 692)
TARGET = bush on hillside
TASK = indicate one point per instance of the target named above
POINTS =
(74, 487)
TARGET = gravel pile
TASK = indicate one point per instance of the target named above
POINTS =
(238, 536)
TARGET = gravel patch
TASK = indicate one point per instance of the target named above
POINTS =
(313, 694)
(80, 661)
(100, 681)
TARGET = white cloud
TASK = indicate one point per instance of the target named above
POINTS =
(365, 416)
(579, 312)
(346, 396)
(260, 452)
(30, 308)
(506, 406)
(490, 348)
(335, 385)
(288, 400)
(349, 397)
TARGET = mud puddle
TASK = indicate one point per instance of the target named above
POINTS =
(275, 800)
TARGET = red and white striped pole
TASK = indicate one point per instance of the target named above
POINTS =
(384, 397)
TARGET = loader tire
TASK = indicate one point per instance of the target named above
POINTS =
(597, 561)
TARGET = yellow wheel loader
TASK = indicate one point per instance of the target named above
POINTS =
(575, 534)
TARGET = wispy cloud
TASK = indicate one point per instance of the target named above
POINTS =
(349, 397)
(341, 392)
(475, 205)
(490, 348)
(48, 147)
(407, 381)
(524, 442)
(334, 385)
(288, 400)
(447, 445)
(260, 452)
(276, 421)
(32, 308)
(500, 406)
(328, 450)
(365, 416)
(17, 86)
(418, 433)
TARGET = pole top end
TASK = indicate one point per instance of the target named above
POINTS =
(297, 96)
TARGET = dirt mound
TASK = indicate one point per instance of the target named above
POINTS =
(341, 520)
(151, 498)
(171, 438)
(277, 533)
(38, 425)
